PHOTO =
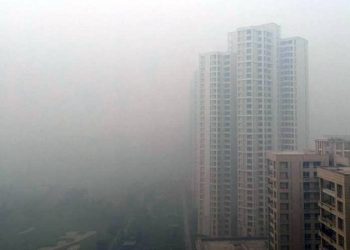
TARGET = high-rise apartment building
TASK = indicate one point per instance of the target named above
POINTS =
(216, 150)
(272, 112)
(293, 107)
(334, 206)
(250, 100)
(293, 195)
(257, 78)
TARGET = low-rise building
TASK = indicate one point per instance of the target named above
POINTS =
(337, 147)
(293, 195)
(334, 206)
(231, 244)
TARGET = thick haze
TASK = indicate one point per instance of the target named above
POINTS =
(83, 81)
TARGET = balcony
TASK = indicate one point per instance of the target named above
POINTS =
(325, 245)
(327, 221)
(328, 234)
(326, 207)
(328, 191)
(328, 187)
(328, 200)
(330, 240)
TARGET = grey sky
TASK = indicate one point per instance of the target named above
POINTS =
(123, 68)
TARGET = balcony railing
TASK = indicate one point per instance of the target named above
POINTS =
(328, 191)
(327, 238)
(328, 222)
(327, 199)
(326, 206)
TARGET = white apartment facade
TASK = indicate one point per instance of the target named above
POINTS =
(251, 100)
(215, 166)
(293, 106)
(257, 77)
(272, 112)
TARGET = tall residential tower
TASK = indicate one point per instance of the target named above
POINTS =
(257, 79)
(293, 107)
(216, 150)
(251, 100)
(272, 112)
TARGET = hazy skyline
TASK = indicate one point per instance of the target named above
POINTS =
(123, 69)
(95, 109)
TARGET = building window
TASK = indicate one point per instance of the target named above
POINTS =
(284, 238)
(284, 218)
(283, 165)
(340, 224)
(283, 176)
(284, 206)
(339, 191)
(341, 240)
(284, 196)
(340, 206)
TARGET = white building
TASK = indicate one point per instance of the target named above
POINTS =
(251, 100)
(293, 94)
(257, 79)
(215, 167)
(272, 111)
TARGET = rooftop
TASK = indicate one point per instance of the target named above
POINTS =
(339, 170)
(264, 26)
(337, 137)
(293, 38)
(233, 244)
(307, 152)
(214, 53)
